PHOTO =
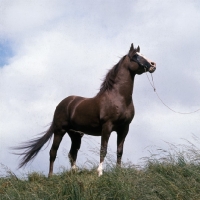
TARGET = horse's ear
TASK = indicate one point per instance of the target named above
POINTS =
(131, 51)
(132, 48)
(138, 49)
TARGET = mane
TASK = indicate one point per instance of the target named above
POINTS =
(109, 79)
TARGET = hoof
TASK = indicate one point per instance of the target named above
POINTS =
(100, 173)
(49, 175)
(74, 168)
(100, 169)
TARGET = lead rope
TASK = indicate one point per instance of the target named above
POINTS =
(154, 88)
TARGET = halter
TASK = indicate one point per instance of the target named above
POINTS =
(138, 59)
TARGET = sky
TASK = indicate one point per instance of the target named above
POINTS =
(52, 49)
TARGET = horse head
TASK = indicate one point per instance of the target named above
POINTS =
(138, 62)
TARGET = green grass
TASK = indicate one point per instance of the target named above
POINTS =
(170, 175)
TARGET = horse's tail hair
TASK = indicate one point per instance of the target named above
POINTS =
(32, 147)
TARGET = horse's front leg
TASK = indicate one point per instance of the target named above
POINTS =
(121, 135)
(106, 131)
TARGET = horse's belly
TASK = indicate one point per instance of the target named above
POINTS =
(89, 129)
(87, 123)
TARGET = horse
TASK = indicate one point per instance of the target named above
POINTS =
(111, 109)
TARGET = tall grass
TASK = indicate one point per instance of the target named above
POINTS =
(167, 175)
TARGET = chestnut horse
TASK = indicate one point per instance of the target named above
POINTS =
(110, 110)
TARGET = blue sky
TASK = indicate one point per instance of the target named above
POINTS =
(5, 52)
(53, 49)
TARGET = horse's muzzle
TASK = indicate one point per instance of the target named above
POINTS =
(152, 67)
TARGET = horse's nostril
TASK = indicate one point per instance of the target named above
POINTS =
(153, 63)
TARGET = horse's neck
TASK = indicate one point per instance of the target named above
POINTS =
(124, 84)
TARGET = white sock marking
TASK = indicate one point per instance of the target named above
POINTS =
(100, 169)
(74, 167)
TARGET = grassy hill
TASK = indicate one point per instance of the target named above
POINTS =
(171, 176)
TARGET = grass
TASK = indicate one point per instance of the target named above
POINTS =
(166, 175)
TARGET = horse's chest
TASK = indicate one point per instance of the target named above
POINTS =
(118, 112)
(125, 113)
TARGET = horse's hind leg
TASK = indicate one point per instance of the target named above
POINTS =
(75, 146)
(58, 135)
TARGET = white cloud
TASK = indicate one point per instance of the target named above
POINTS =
(66, 48)
(23, 17)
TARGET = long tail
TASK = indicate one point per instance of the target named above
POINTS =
(32, 147)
